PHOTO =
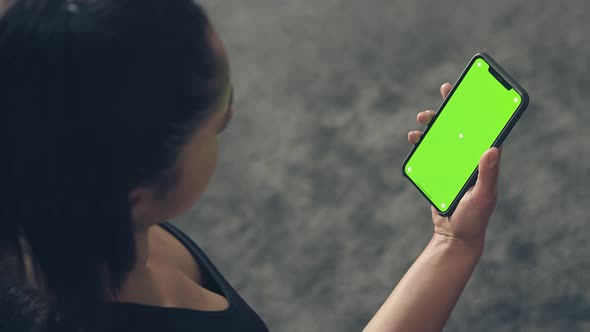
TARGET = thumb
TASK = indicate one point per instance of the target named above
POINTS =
(486, 187)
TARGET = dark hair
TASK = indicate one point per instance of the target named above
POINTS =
(21, 309)
(97, 97)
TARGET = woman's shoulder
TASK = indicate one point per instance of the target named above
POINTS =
(166, 248)
(173, 277)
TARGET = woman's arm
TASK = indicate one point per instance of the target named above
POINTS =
(426, 295)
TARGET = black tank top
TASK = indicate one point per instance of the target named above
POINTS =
(135, 317)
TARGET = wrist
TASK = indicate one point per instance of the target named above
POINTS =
(472, 248)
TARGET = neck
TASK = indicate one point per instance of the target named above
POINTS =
(141, 266)
(141, 247)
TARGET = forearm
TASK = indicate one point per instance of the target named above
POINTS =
(428, 292)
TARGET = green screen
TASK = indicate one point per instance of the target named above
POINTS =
(468, 125)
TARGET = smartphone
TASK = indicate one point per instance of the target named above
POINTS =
(479, 112)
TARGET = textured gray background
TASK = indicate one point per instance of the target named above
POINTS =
(308, 215)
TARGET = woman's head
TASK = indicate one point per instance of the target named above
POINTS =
(183, 183)
(109, 115)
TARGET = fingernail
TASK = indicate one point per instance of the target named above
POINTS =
(493, 159)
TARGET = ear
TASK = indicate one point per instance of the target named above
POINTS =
(139, 203)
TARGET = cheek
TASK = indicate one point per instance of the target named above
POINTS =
(197, 173)
(209, 164)
(202, 170)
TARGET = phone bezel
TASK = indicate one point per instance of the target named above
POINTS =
(499, 139)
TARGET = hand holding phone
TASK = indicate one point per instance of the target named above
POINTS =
(471, 217)
(479, 112)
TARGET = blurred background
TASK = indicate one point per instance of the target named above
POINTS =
(308, 215)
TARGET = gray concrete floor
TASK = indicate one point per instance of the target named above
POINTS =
(308, 215)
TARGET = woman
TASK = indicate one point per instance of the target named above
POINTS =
(110, 116)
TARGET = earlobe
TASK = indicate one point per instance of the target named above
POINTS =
(134, 197)
(144, 209)
(136, 203)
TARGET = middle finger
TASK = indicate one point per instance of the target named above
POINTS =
(425, 117)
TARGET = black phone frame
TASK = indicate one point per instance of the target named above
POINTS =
(499, 139)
